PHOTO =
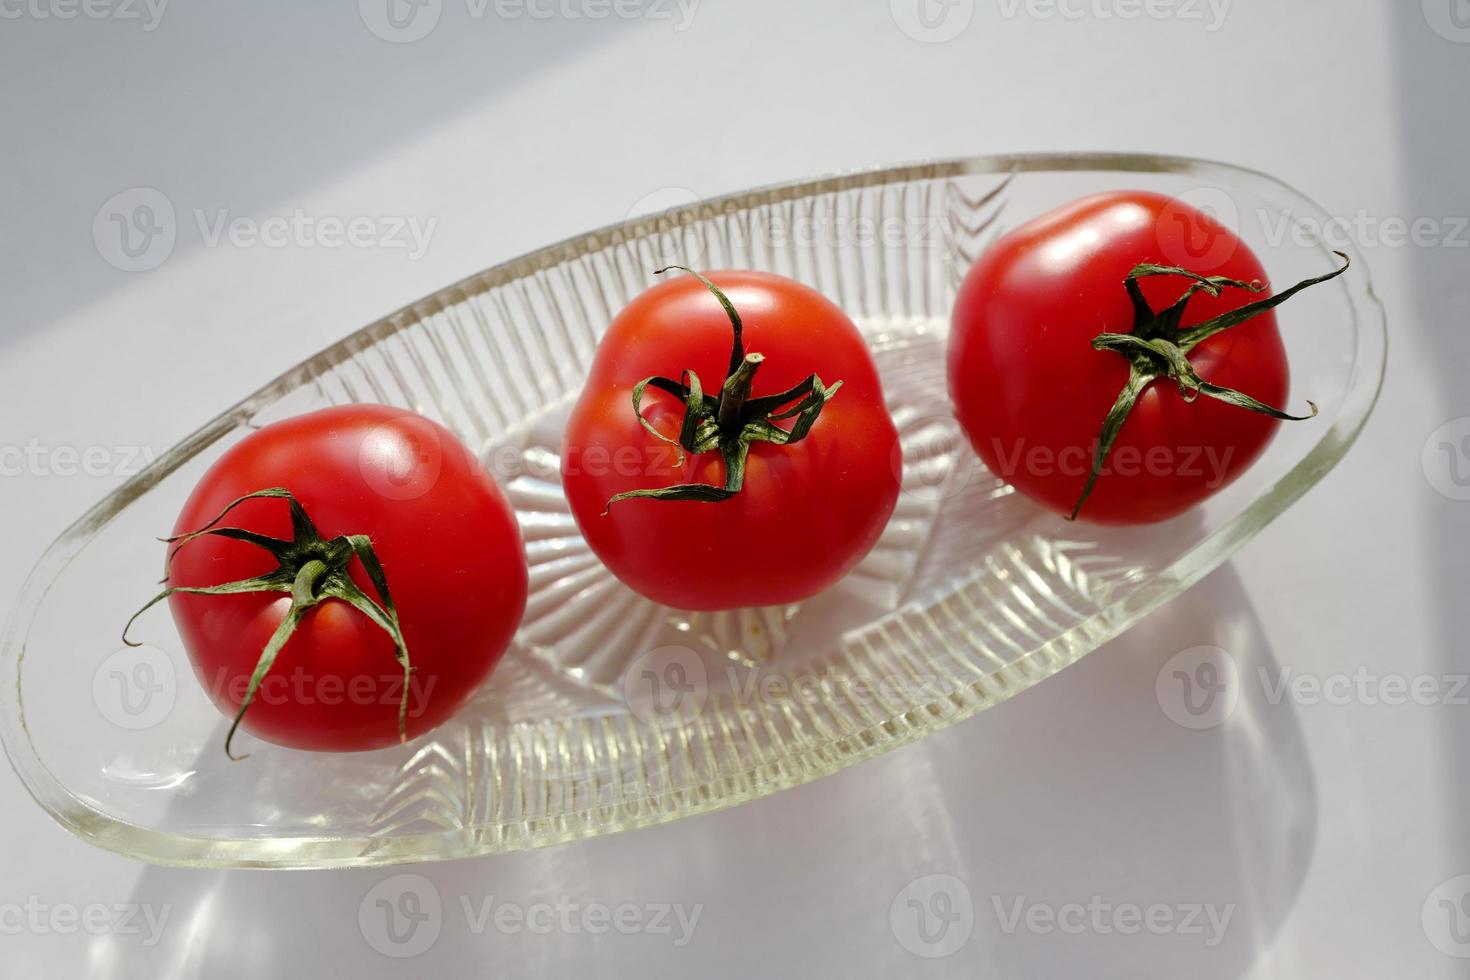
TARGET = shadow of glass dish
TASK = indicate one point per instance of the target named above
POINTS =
(1084, 798)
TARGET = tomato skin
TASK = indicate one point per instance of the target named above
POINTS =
(808, 512)
(449, 546)
(1032, 393)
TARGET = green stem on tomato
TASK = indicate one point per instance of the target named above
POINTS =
(732, 421)
(310, 570)
(1158, 347)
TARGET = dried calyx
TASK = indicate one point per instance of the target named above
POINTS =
(730, 422)
(1159, 347)
(311, 570)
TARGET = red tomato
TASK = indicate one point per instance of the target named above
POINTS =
(1032, 392)
(807, 512)
(450, 552)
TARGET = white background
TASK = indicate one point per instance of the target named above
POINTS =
(1326, 827)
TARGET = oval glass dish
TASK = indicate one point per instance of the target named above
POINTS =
(610, 712)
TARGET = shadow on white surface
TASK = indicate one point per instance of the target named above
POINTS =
(1081, 793)
(272, 106)
(1431, 72)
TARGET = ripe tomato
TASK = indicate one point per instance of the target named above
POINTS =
(806, 511)
(449, 550)
(1037, 389)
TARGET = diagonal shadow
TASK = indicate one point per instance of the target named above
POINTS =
(225, 105)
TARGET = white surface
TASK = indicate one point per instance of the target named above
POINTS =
(1326, 826)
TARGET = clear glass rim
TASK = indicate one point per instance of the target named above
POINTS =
(1365, 378)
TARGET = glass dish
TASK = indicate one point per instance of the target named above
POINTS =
(611, 713)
